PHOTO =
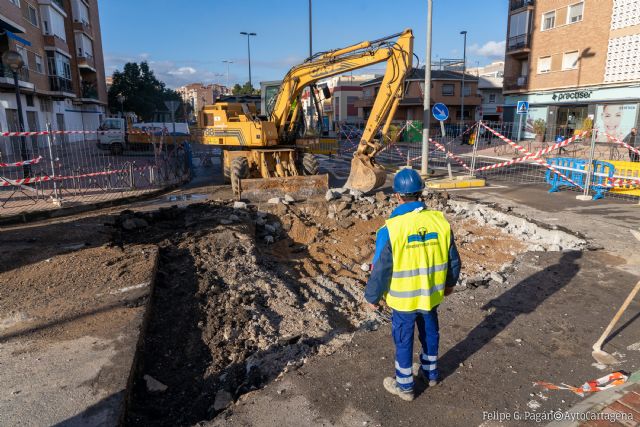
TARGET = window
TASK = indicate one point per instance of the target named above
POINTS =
(544, 64)
(467, 91)
(447, 89)
(519, 24)
(39, 65)
(16, 2)
(80, 11)
(33, 16)
(575, 13)
(29, 100)
(492, 98)
(84, 44)
(548, 20)
(111, 124)
(59, 65)
(53, 22)
(23, 52)
(570, 60)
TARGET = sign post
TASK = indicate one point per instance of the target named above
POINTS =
(172, 106)
(441, 113)
(522, 109)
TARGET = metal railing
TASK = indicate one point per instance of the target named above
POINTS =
(523, 41)
(515, 83)
(517, 4)
(60, 84)
(23, 74)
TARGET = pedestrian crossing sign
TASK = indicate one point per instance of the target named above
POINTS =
(523, 107)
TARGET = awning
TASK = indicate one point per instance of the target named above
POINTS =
(17, 38)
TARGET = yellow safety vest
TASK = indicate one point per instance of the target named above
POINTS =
(420, 246)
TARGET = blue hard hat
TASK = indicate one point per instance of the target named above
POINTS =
(559, 138)
(407, 181)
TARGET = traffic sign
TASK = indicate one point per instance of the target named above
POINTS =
(523, 107)
(172, 105)
(440, 112)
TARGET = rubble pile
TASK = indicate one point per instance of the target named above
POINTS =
(278, 281)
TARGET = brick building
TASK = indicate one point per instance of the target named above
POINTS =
(574, 60)
(446, 87)
(63, 80)
(198, 95)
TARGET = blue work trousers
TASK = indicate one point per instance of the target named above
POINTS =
(402, 325)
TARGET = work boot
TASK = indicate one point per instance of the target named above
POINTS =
(392, 387)
(417, 372)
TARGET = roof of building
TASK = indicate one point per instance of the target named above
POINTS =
(418, 74)
(490, 82)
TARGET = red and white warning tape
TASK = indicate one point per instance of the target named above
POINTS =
(536, 154)
(450, 154)
(609, 381)
(71, 132)
(21, 163)
(531, 155)
(6, 182)
(624, 144)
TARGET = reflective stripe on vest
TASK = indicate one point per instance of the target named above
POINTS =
(420, 247)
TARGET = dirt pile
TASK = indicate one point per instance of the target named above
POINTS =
(247, 292)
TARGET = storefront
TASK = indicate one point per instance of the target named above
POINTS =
(612, 110)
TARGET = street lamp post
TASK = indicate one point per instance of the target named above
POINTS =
(426, 116)
(120, 98)
(464, 71)
(225, 61)
(244, 33)
(14, 61)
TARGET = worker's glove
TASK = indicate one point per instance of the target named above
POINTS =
(448, 290)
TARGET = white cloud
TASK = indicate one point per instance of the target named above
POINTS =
(490, 49)
(174, 74)
(183, 71)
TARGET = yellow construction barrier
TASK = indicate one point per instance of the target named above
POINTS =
(319, 145)
(626, 170)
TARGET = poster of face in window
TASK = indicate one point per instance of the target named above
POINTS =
(614, 119)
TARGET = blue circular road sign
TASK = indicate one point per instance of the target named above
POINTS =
(440, 112)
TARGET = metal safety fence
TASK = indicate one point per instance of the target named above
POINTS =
(582, 160)
(48, 169)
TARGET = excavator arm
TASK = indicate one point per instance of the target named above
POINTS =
(397, 51)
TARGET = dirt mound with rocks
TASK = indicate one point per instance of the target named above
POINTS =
(247, 292)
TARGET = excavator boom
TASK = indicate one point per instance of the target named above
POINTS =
(397, 51)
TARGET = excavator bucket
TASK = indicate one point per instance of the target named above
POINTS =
(298, 187)
(365, 174)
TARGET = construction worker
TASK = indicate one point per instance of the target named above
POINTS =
(415, 265)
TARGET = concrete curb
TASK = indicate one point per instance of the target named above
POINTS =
(72, 210)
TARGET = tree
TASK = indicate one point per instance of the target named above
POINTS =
(245, 89)
(143, 93)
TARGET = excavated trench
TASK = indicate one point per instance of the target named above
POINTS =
(246, 293)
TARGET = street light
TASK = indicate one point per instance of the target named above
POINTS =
(224, 61)
(120, 98)
(464, 71)
(426, 116)
(244, 33)
(13, 60)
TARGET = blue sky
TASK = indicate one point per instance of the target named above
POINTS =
(186, 41)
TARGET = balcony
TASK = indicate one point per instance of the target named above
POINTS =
(519, 45)
(83, 26)
(519, 4)
(89, 91)
(55, 41)
(87, 62)
(23, 74)
(60, 84)
(515, 84)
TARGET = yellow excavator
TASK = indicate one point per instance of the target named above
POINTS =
(266, 153)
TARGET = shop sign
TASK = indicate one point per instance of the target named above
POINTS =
(574, 95)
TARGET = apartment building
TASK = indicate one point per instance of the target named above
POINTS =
(62, 81)
(446, 87)
(574, 60)
(198, 95)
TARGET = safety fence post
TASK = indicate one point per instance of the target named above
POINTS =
(56, 199)
(474, 154)
(589, 171)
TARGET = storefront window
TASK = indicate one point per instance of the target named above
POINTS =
(615, 120)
